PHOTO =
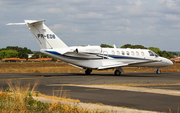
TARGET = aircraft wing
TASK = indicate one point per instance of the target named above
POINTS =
(122, 64)
(111, 66)
(140, 62)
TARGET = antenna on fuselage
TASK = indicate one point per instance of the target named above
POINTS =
(114, 46)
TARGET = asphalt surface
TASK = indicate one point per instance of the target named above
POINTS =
(130, 99)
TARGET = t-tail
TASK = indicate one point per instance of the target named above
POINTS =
(43, 35)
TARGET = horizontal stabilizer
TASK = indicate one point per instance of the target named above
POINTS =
(16, 24)
(27, 22)
(34, 21)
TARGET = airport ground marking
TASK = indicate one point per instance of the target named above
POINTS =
(126, 88)
(141, 84)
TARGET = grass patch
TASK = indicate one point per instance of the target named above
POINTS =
(65, 68)
(18, 99)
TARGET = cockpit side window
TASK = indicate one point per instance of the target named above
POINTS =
(156, 55)
(151, 53)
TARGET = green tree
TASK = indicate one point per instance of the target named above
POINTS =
(126, 46)
(22, 52)
(133, 46)
(8, 54)
(106, 46)
(165, 54)
(173, 53)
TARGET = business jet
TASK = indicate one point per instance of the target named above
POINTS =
(92, 57)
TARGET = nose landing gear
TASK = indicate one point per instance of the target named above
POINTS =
(158, 71)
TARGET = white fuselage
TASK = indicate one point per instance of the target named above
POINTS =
(107, 57)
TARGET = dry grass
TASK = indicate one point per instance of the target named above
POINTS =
(65, 68)
(37, 68)
(15, 104)
(19, 100)
(174, 68)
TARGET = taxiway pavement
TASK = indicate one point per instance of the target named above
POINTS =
(140, 89)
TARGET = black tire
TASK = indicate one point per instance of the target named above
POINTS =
(88, 71)
(117, 73)
(158, 71)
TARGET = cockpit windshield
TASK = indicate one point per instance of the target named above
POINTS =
(151, 53)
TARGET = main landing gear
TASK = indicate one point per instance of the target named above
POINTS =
(118, 71)
(88, 71)
(158, 71)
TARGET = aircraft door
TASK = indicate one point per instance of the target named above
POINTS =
(105, 54)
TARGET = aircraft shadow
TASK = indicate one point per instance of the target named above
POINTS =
(100, 74)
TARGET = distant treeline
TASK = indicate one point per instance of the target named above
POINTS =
(155, 49)
(19, 52)
(15, 52)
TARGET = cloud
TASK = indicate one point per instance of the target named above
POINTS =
(176, 26)
(138, 3)
(160, 1)
(170, 3)
(119, 8)
(100, 21)
(75, 1)
(172, 17)
(58, 26)
(90, 15)
(54, 10)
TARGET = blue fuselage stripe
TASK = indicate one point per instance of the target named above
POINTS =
(100, 57)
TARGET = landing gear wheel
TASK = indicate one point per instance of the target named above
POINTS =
(88, 71)
(158, 71)
(117, 72)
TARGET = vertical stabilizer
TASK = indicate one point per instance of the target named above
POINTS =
(44, 36)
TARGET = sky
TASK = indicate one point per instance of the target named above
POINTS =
(151, 23)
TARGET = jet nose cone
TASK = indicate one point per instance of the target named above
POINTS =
(170, 63)
(167, 62)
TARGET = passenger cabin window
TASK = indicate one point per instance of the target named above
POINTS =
(142, 53)
(127, 52)
(118, 53)
(132, 53)
(122, 52)
(113, 52)
(137, 53)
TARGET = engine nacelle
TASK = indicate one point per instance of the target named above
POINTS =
(89, 49)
